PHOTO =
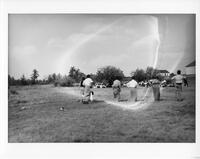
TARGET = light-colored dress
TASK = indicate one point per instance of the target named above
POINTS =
(132, 85)
(87, 90)
(116, 88)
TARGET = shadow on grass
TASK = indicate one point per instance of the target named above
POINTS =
(123, 100)
(97, 101)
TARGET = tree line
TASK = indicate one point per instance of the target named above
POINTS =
(105, 75)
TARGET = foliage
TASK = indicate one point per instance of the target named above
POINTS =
(93, 77)
(105, 75)
(151, 73)
(139, 75)
(11, 80)
(66, 81)
(76, 74)
(53, 78)
(108, 74)
(23, 80)
(50, 79)
(34, 76)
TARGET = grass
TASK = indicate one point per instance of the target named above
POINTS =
(42, 120)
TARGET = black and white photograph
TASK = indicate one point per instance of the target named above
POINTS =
(101, 78)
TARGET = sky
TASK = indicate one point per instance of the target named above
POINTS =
(52, 43)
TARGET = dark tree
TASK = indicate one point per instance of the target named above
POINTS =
(59, 77)
(139, 75)
(11, 80)
(151, 73)
(93, 77)
(108, 74)
(50, 79)
(23, 80)
(34, 76)
(75, 74)
(54, 77)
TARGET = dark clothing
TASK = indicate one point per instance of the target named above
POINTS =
(156, 91)
(81, 84)
(185, 82)
(179, 86)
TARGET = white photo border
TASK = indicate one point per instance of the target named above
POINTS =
(93, 150)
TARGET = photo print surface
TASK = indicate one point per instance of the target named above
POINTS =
(101, 78)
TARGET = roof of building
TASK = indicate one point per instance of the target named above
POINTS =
(163, 71)
(191, 64)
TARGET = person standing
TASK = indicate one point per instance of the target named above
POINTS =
(156, 89)
(178, 80)
(133, 89)
(185, 81)
(116, 89)
(87, 83)
(82, 87)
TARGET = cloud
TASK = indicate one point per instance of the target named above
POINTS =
(91, 41)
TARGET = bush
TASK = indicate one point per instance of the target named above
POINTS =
(64, 82)
(56, 83)
(139, 75)
(108, 74)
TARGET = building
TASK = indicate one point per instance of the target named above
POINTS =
(190, 69)
(164, 73)
(126, 79)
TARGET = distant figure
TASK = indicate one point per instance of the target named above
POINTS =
(82, 87)
(156, 89)
(133, 89)
(185, 81)
(178, 80)
(148, 84)
(88, 94)
(116, 89)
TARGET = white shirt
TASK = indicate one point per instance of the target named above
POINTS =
(132, 83)
(116, 83)
(156, 81)
(87, 82)
(178, 78)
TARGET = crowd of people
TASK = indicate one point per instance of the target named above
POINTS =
(87, 83)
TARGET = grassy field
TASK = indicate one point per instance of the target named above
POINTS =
(34, 116)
